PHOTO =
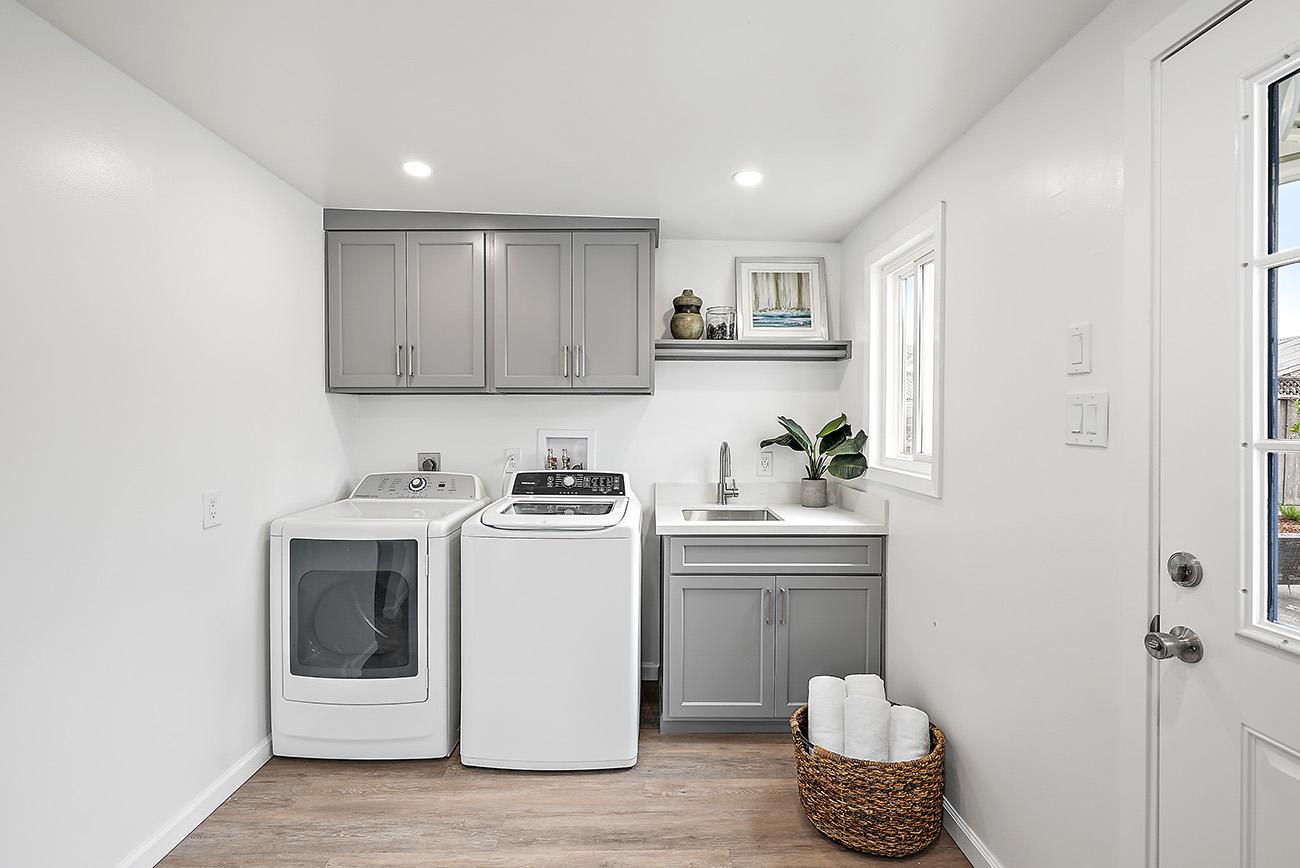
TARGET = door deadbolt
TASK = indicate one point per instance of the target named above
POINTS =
(1180, 642)
(1185, 569)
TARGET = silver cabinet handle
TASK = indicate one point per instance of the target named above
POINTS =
(399, 361)
(410, 360)
(566, 361)
(767, 605)
(785, 605)
(582, 361)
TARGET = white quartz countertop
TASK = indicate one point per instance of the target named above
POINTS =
(869, 519)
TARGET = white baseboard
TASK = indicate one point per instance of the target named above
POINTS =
(649, 671)
(160, 843)
(967, 841)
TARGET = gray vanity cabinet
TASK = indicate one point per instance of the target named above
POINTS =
(739, 643)
(367, 309)
(612, 307)
(824, 626)
(406, 311)
(721, 641)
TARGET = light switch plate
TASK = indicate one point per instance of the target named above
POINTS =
(1078, 348)
(1087, 418)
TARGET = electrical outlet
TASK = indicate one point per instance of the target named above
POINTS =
(211, 509)
(429, 462)
(765, 462)
(513, 457)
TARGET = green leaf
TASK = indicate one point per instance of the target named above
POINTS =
(785, 440)
(848, 466)
(833, 425)
(852, 446)
(833, 439)
(800, 436)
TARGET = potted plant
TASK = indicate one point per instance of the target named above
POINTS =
(835, 450)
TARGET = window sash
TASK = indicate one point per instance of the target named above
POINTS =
(910, 326)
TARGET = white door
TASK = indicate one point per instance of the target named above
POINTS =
(1229, 338)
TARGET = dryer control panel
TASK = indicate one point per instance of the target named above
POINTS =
(416, 486)
(573, 482)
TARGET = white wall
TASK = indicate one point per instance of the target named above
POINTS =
(672, 436)
(1006, 607)
(161, 334)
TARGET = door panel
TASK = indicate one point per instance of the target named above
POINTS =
(367, 308)
(612, 309)
(720, 647)
(532, 283)
(445, 300)
(1229, 725)
(824, 626)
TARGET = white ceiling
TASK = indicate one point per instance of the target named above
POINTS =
(587, 106)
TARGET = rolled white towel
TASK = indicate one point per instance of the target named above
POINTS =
(909, 733)
(866, 728)
(864, 685)
(826, 712)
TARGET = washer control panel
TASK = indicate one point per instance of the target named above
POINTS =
(575, 482)
(413, 486)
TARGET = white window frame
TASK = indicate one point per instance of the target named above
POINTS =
(920, 242)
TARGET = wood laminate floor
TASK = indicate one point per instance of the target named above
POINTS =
(699, 800)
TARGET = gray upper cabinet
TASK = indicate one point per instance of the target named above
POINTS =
(612, 308)
(445, 300)
(720, 647)
(824, 626)
(532, 304)
(367, 309)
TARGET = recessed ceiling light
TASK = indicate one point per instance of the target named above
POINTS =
(748, 178)
(416, 169)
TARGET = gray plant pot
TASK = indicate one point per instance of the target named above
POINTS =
(812, 492)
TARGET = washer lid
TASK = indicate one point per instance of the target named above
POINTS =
(555, 513)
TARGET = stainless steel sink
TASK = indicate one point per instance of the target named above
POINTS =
(729, 514)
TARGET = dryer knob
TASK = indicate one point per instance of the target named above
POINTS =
(568, 481)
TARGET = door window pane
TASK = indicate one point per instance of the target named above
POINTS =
(353, 608)
(1284, 159)
(1284, 306)
(1284, 539)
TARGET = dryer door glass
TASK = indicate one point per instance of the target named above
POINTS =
(353, 608)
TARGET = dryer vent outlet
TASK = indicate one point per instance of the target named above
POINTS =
(429, 462)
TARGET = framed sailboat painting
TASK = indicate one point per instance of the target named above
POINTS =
(781, 298)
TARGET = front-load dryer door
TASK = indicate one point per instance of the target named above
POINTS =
(354, 615)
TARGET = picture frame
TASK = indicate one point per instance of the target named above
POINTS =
(782, 298)
(579, 445)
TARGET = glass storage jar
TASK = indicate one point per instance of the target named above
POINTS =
(720, 323)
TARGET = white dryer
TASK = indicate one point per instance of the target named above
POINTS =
(551, 625)
(365, 619)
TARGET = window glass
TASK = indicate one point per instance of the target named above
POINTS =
(1284, 308)
(1284, 154)
(926, 365)
(1284, 539)
(907, 362)
(353, 609)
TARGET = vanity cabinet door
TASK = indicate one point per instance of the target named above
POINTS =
(720, 646)
(611, 310)
(445, 298)
(532, 310)
(367, 309)
(825, 625)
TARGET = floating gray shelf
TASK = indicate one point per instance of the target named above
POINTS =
(748, 351)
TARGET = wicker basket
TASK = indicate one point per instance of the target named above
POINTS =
(887, 809)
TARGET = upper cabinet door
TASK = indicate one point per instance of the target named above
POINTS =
(532, 278)
(367, 309)
(612, 299)
(445, 300)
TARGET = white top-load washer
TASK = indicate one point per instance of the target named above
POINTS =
(365, 619)
(551, 625)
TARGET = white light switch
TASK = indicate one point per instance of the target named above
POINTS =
(1078, 349)
(1088, 418)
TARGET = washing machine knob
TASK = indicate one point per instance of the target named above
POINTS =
(417, 483)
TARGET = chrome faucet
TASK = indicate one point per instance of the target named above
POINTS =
(726, 484)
